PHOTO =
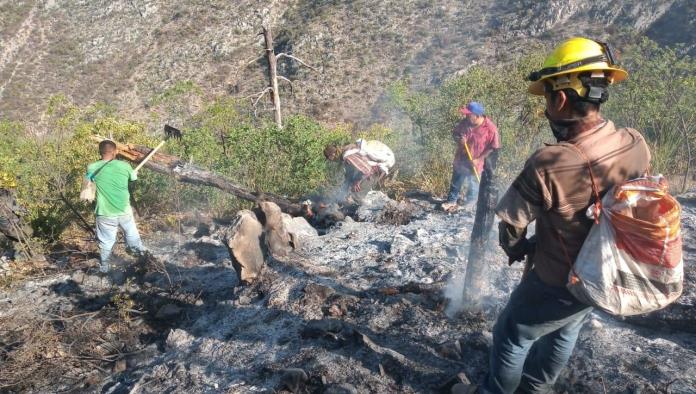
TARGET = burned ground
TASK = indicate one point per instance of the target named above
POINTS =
(359, 309)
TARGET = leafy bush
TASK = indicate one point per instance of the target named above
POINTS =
(659, 100)
(261, 157)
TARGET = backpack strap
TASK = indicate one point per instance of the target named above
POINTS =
(94, 175)
(597, 202)
(595, 188)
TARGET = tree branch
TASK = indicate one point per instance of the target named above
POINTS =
(283, 54)
(292, 88)
(260, 95)
(254, 60)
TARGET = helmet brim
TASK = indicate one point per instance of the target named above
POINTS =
(617, 75)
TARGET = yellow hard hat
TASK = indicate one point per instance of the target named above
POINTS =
(7, 181)
(572, 57)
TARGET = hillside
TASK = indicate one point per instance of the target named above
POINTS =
(128, 53)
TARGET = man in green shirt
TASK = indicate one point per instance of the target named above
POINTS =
(113, 209)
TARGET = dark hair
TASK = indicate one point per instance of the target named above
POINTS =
(581, 106)
(106, 146)
(330, 152)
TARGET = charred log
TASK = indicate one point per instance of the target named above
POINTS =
(483, 222)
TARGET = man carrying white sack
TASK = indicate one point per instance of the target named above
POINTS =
(362, 161)
(535, 334)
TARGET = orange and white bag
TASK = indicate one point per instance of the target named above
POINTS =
(631, 261)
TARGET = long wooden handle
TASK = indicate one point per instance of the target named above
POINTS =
(468, 153)
(149, 155)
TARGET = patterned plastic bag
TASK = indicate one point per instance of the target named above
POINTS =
(631, 261)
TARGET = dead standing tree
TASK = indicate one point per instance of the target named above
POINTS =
(273, 76)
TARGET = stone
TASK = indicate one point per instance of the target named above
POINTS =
(335, 311)
(299, 226)
(371, 206)
(396, 213)
(317, 293)
(595, 324)
(179, 339)
(422, 235)
(276, 237)
(294, 379)
(400, 245)
(243, 240)
(78, 277)
(319, 328)
(336, 331)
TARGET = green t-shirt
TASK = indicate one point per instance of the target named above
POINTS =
(113, 198)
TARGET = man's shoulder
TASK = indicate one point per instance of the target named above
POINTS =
(122, 164)
(491, 125)
(552, 155)
(631, 131)
(91, 167)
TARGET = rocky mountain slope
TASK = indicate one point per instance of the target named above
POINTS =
(128, 52)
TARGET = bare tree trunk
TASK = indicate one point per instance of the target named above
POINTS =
(483, 222)
(272, 74)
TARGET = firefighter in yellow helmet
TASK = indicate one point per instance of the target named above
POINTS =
(536, 332)
(11, 224)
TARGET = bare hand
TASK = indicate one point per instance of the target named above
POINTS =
(356, 187)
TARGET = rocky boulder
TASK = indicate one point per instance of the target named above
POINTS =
(243, 241)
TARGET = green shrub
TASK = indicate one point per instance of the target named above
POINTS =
(659, 100)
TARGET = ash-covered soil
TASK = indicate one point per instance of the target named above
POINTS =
(360, 309)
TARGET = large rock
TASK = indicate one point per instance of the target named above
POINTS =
(243, 240)
(293, 379)
(276, 238)
(299, 229)
(371, 206)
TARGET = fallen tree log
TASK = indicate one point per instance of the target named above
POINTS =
(188, 173)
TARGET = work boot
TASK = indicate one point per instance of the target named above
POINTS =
(449, 206)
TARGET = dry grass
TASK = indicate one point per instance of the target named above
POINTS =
(48, 352)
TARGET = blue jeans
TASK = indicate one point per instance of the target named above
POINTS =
(533, 338)
(459, 177)
(107, 230)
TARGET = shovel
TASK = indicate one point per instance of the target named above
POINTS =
(471, 159)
